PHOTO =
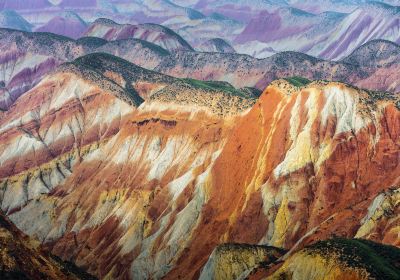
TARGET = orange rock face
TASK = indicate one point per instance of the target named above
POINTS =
(297, 169)
(150, 191)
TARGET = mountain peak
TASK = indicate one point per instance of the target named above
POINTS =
(11, 19)
(105, 21)
(154, 33)
(375, 53)
(217, 45)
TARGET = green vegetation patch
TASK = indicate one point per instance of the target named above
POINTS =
(381, 261)
(298, 81)
(92, 42)
(216, 86)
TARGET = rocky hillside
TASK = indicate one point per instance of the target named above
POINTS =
(153, 33)
(328, 35)
(220, 98)
(23, 258)
(331, 259)
(27, 57)
(149, 191)
(375, 53)
(75, 117)
(342, 259)
(315, 183)
(327, 29)
(237, 261)
(30, 56)
(243, 70)
(67, 24)
(141, 84)
(216, 45)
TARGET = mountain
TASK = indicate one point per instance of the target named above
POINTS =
(78, 3)
(23, 258)
(157, 34)
(382, 56)
(246, 71)
(345, 6)
(90, 101)
(183, 3)
(383, 79)
(127, 154)
(358, 259)
(325, 29)
(375, 53)
(136, 51)
(235, 261)
(30, 56)
(24, 4)
(299, 195)
(338, 258)
(155, 11)
(130, 173)
(329, 35)
(67, 24)
(217, 45)
(241, 10)
(294, 29)
(245, 10)
(11, 19)
(198, 30)
(356, 27)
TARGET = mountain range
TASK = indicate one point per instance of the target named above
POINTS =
(124, 171)
(30, 56)
(199, 139)
(324, 29)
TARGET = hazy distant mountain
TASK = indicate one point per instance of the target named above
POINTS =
(67, 24)
(216, 45)
(11, 19)
(154, 33)
(27, 57)
(328, 35)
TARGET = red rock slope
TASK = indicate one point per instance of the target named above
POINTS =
(147, 190)
(99, 181)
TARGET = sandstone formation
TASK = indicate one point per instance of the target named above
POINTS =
(133, 174)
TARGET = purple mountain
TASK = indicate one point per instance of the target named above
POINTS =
(67, 24)
(217, 45)
(327, 35)
(154, 33)
(24, 4)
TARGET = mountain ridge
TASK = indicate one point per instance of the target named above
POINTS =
(171, 164)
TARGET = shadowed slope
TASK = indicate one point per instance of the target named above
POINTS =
(342, 259)
(23, 258)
